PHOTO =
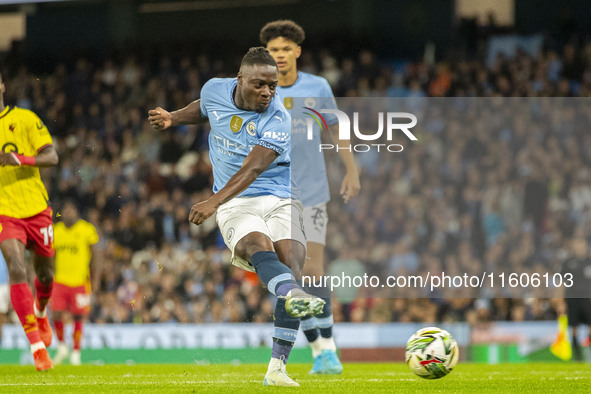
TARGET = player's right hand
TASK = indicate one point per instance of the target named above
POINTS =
(159, 118)
(9, 159)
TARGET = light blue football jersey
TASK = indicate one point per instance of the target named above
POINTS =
(235, 132)
(3, 270)
(307, 162)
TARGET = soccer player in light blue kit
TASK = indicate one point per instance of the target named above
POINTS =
(249, 149)
(283, 38)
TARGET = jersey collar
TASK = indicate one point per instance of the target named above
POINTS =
(232, 90)
(5, 111)
(293, 84)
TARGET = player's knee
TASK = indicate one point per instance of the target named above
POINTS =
(16, 270)
(45, 275)
(251, 244)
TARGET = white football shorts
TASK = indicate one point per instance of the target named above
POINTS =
(277, 218)
(315, 223)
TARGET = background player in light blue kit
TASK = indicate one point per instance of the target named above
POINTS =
(249, 148)
(283, 38)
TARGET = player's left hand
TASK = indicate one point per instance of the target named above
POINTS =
(9, 159)
(350, 186)
(202, 211)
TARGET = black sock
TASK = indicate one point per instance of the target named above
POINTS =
(285, 333)
(274, 274)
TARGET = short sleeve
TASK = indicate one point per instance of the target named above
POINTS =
(39, 136)
(204, 98)
(328, 102)
(275, 133)
(92, 236)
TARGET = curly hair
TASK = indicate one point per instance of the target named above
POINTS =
(282, 28)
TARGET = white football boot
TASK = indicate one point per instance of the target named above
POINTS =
(62, 353)
(277, 375)
(75, 358)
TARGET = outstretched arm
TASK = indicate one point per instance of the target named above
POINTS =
(350, 186)
(46, 157)
(255, 163)
(161, 119)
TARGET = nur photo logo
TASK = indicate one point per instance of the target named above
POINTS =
(389, 123)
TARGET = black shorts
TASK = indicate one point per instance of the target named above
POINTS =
(579, 311)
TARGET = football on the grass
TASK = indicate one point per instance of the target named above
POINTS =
(432, 353)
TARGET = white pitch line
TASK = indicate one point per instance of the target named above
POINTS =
(108, 383)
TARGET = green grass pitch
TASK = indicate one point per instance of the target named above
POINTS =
(504, 378)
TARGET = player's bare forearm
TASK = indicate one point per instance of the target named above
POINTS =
(255, 163)
(345, 154)
(47, 157)
(351, 185)
(161, 119)
(94, 269)
(191, 114)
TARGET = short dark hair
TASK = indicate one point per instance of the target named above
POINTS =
(257, 55)
(282, 28)
(69, 201)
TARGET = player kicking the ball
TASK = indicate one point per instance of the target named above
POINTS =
(282, 39)
(26, 222)
(249, 148)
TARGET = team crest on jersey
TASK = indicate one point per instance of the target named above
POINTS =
(250, 128)
(235, 124)
(288, 102)
(9, 147)
(309, 102)
(230, 234)
(12, 127)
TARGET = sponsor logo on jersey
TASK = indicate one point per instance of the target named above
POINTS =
(276, 135)
(235, 124)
